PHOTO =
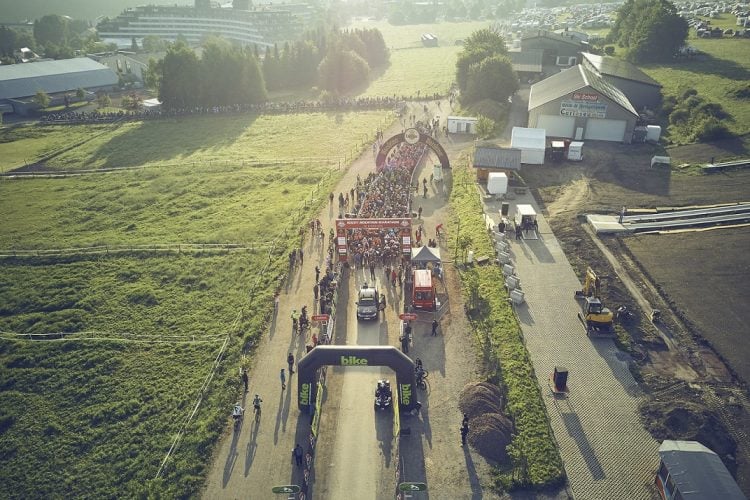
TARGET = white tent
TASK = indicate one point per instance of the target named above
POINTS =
(531, 142)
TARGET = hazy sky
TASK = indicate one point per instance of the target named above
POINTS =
(18, 10)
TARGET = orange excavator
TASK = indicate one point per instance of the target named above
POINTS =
(594, 316)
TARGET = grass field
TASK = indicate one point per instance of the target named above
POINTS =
(414, 67)
(723, 66)
(158, 206)
(198, 139)
(94, 418)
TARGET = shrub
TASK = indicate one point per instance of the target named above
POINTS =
(679, 116)
(710, 129)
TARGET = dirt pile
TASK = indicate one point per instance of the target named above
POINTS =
(480, 398)
(489, 434)
(489, 430)
(688, 421)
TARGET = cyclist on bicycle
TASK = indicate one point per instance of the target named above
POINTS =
(256, 403)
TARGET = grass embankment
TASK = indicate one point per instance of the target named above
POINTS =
(197, 139)
(717, 73)
(536, 461)
(94, 418)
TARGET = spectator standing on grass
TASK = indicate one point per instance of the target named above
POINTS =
(244, 378)
(464, 431)
(282, 376)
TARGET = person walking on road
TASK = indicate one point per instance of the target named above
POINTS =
(295, 320)
(282, 376)
(464, 431)
(290, 362)
(435, 325)
(244, 378)
(298, 452)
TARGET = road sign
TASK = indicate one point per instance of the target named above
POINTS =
(292, 488)
(412, 487)
(407, 316)
(320, 317)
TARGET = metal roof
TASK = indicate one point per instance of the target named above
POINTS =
(495, 157)
(552, 36)
(573, 79)
(24, 80)
(698, 472)
(607, 65)
(529, 61)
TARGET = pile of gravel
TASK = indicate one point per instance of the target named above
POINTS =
(489, 430)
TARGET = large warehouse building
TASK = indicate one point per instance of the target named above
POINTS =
(20, 82)
(578, 103)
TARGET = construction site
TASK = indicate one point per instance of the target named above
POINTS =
(661, 255)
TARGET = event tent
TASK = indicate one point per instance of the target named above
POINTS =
(531, 142)
(425, 254)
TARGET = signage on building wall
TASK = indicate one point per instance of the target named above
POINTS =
(585, 96)
(583, 109)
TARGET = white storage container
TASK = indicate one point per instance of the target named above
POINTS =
(575, 151)
(653, 132)
(497, 183)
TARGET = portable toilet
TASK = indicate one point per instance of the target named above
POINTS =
(497, 183)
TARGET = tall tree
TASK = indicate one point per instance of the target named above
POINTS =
(479, 46)
(51, 29)
(180, 86)
(492, 78)
(650, 30)
(342, 70)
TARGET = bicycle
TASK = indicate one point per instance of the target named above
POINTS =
(422, 379)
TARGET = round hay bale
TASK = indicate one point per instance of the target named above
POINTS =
(480, 398)
(489, 434)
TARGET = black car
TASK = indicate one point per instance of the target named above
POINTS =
(367, 303)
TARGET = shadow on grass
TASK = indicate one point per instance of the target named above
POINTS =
(164, 140)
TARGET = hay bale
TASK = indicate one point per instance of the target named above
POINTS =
(489, 434)
(480, 398)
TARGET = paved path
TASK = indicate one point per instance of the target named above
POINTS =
(606, 451)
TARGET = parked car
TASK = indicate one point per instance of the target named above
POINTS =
(367, 302)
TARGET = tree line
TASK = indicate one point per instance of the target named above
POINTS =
(53, 36)
(226, 74)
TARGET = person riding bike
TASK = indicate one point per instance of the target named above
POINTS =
(256, 403)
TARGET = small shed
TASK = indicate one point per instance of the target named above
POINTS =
(531, 142)
(490, 158)
(462, 125)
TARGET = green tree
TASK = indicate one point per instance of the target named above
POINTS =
(492, 78)
(80, 93)
(485, 127)
(41, 98)
(152, 43)
(650, 30)
(479, 46)
(180, 85)
(103, 100)
(342, 70)
(152, 75)
(51, 29)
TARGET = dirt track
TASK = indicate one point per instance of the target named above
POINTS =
(699, 279)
